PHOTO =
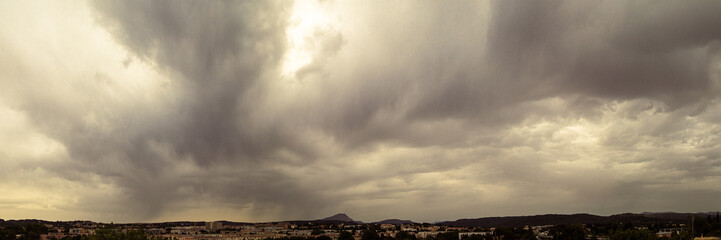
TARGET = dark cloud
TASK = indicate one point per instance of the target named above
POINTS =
(606, 49)
(219, 54)
(486, 106)
(667, 26)
(220, 51)
(527, 52)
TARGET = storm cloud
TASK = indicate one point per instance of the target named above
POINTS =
(274, 110)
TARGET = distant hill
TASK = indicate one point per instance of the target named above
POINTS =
(512, 221)
(556, 219)
(516, 221)
(338, 217)
(672, 216)
(395, 222)
(230, 223)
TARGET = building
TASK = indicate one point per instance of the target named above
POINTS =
(81, 231)
(211, 226)
(666, 232)
(52, 236)
(388, 226)
(426, 234)
(468, 234)
(408, 228)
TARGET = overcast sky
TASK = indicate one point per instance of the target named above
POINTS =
(424, 110)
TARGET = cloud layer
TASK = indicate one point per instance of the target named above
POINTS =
(271, 110)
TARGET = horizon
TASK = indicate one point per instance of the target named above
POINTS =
(370, 222)
(140, 111)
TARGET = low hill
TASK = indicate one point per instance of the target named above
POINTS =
(395, 222)
(556, 219)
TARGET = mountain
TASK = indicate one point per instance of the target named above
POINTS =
(395, 222)
(338, 217)
(672, 216)
(511, 221)
(556, 219)
(516, 221)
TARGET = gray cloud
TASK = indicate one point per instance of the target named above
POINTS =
(220, 51)
(209, 113)
(606, 49)
(428, 111)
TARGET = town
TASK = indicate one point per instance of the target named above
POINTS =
(341, 227)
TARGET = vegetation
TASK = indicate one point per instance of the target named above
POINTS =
(301, 238)
(345, 235)
(115, 234)
(30, 231)
(405, 236)
(316, 232)
(634, 234)
(369, 235)
(447, 236)
(568, 232)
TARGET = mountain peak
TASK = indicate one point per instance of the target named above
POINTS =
(339, 217)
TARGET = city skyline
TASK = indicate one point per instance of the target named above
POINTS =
(150, 111)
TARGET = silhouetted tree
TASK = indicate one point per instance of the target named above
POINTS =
(633, 234)
(116, 234)
(682, 236)
(403, 235)
(369, 235)
(702, 227)
(567, 232)
(514, 233)
(324, 237)
(447, 236)
(345, 235)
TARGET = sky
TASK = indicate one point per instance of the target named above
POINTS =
(130, 111)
